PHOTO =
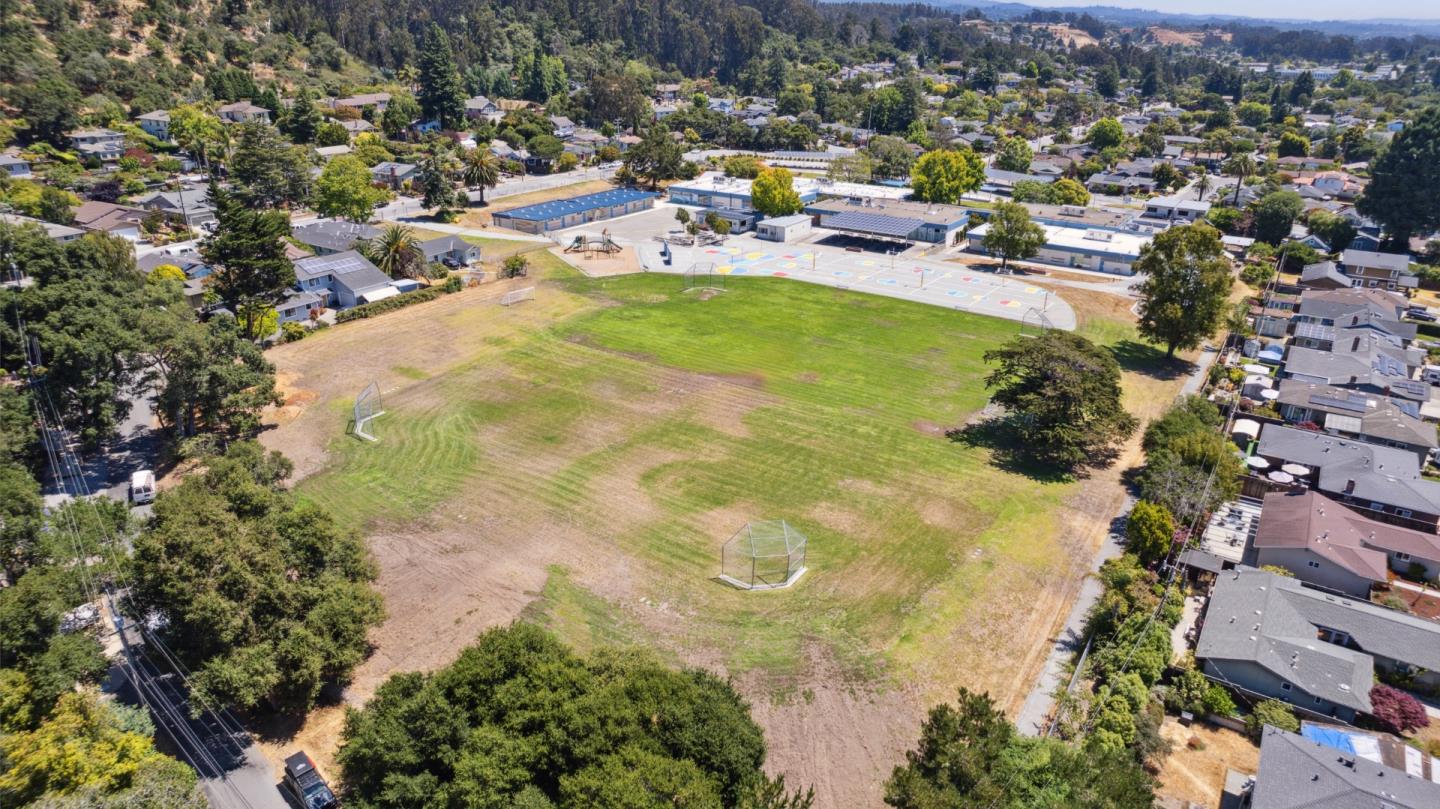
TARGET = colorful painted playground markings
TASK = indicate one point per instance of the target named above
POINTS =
(781, 274)
(756, 255)
(868, 263)
(889, 282)
(840, 274)
(790, 265)
(724, 269)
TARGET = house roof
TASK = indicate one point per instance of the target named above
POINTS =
(1375, 415)
(1313, 522)
(443, 244)
(241, 106)
(1323, 271)
(1367, 258)
(390, 167)
(1273, 621)
(349, 269)
(157, 115)
(1365, 471)
(1296, 772)
(334, 235)
(97, 215)
(1357, 307)
(1351, 363)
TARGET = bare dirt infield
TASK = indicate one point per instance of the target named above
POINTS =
(554, 479)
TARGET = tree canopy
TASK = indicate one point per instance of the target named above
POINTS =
(266, 598)
(969, 755)
(1187, 280)
(520, 720)
(346, 190)
(247, 251)
(1063, 397)
(1401, 194)
(773, 193)
(1011, 233)
(945, 174)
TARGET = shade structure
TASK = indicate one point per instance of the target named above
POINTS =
(1252, 368)
(1269, 395)
(1281, 477)
(1295, 469)
(895, 227)
(1247, 427)
(1256, 462)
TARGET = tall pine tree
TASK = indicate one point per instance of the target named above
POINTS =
(248, 253)
(442, 96)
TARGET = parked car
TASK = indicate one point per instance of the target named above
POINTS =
(142, 487)
(1419, 313)
(304, 782)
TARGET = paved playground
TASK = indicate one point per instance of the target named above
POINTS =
(936, 283)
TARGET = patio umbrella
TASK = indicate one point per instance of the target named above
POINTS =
(1256, 462)
(1295, 469)
(1281, 477)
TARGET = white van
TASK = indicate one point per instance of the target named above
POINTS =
(142, 487)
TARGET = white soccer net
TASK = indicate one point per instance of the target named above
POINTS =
(368, 407)
(517, 296)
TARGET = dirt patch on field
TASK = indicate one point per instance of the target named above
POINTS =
(930, 428)
(1195, 769)
(842, 740)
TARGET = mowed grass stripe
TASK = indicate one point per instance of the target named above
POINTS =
(772, 400)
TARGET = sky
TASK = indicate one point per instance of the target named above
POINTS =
(1275, 9)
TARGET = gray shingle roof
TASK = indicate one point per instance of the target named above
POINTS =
(348, 268)
(1296, 772)
(334, 235)
(1272, 621)
(1365, 471)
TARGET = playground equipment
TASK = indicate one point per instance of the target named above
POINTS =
(592, 245)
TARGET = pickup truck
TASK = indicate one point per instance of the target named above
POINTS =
(304, 782)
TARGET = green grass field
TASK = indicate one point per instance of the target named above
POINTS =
(654, 423)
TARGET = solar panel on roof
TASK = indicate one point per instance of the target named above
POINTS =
(878, 224)
(542, 211)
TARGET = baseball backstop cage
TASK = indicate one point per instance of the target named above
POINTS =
(702, 275)
(368, 407)
(763, 555)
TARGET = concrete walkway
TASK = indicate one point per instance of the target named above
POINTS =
(1034, 717)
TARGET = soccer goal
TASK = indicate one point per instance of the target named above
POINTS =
(702, 275)
(368, 407)
(517, 296)
(763, 555)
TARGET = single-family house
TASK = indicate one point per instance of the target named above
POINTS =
(125, 221)
(480, 107)
(243, 112)
(357, 126)
(1298, 772)
(394, 174)
(562, 126)
(333, 236)
(1276, 637)
(1176, 208)
(14, 166)
(156, 124)
(1341, 310)
(343, 280)
(328, 153)
(452, 251)
(60, 233)
(189, 205)
(1378, 270)
(362, 101)
(1324, 275)
(1324, 543)
(105, 145)
(299, 306)
(1369, 417)
(1380, 482)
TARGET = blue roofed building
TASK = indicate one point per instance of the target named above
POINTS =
(566, 213)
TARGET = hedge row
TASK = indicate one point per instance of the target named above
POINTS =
(392, 303)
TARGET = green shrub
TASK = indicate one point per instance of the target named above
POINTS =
(1272, 712)
(453, 284)
(389, 304)
(292, 331)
